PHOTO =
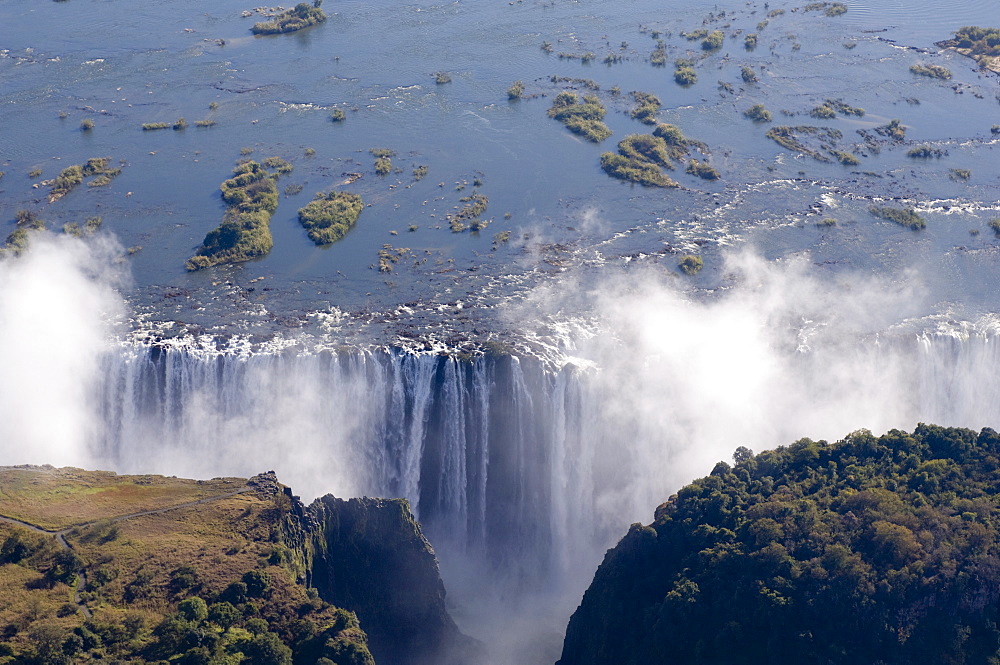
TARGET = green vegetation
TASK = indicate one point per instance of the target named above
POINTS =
(515, 90)
(383, 160)
(845, 158)
(338, 115)
(775, 12)
(925, 152)
(646, 148)
(641, 157)
(748, 74)
(980, 41)
(894, 130)
(34, 173)
(180, 124)
(213, 583)
(658, 58)
(153, 126)
(419, 172)
(907, 217)
(468, 216)
(750, 41)
(828, 8)
(27, 219)
(685, 75)
(758, 113)
(644, 173)
(995, 225)
(823, 112)
(959, 174)
(934, 71)
(66, 181)
(826, 222)
(86, 124)
(867, 550)
(329, 217)
(252, 197)
(691, 264)
(840, 106)
(584, 118)
(647, 106)
(694, 35)
(300, 16)
(442, 77)
(793, 138)
(281, 166)
(703, 170)
(204, 123)
(713, 41)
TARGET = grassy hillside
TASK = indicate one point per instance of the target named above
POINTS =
(151, 569)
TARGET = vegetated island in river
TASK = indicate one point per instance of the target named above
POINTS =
(245, 233)
(300, 16)
(869, 550)
(97, 567)
(980, 44)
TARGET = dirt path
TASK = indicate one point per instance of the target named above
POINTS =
(60, 534)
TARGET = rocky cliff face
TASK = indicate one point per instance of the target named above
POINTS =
(370, 556)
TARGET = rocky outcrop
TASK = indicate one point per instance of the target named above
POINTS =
(370, 556)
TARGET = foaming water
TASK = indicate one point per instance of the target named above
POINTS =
(525, 468)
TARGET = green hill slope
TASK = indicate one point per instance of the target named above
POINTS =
(868, 550)
(100, 567)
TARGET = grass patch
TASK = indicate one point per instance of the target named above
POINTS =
(691, 264)
(933, 71)
(252, 197)
(793, 138)
(468, 216)
(758, 113)
(894, 130)
(583, 117)
(685, 75)
(845, 158)
(907, 217)
(703, 170)
(925, 152)
(298, 17)
(647, 106)
(329, 217)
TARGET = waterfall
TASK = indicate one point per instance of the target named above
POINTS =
(532, 467)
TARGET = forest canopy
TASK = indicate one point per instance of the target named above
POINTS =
(869, 550)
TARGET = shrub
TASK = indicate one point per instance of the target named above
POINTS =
(691, 264)
(442, 77)
(702, 169)
(300, 16)
(845, 158)
(646, 148)
(685, 75)
(758, 113)
(86, 124)
(823, 112)
(633, 170)
(713, 41)
(907, 217)
(750, 41)
(180, 124)
(925, 152)
(383, 166)
(153, 126)
(933, 71)
(329, 217)
(337, 115)
(515, 90)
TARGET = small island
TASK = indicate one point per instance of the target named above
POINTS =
(980, 44)
(300, 16)
(245, 231)
(329, 217)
